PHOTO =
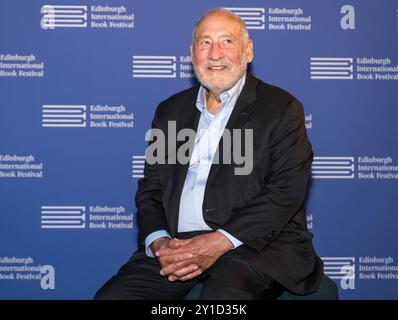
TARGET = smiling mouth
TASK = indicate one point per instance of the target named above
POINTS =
(217, 68)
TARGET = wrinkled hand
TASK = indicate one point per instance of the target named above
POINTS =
(181, 259)
(186, 259)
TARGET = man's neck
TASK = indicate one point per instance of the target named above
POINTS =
(213, 102)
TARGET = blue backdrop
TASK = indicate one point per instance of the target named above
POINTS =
(80, 80)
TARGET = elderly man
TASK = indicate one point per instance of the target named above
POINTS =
(243, 236)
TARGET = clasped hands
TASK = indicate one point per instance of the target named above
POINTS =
(185, 259)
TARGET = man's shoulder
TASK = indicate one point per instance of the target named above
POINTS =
(274, 102)
(179, 99)
(272, 93)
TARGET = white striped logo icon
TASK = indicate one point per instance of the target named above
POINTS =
(339, 267)
(332, 68)
(64, 116)
(254, 18)
(55, 16)
(333, 168)
(63, 217)
(138, 164)
(154, 66)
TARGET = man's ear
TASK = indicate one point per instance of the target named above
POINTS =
(249, 51)
(191, 51)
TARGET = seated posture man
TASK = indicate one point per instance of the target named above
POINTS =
(238, 227)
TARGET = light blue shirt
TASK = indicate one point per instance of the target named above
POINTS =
(209, 132)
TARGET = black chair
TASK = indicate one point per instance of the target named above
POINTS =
(327, 291)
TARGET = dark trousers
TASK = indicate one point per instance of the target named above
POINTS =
(232, 277)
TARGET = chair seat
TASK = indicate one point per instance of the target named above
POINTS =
(327, 291)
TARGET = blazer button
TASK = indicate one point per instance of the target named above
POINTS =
(207, 210)
(268, 237)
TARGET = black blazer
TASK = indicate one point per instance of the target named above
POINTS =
(265, 209)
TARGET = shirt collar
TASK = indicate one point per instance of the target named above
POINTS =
(225, 96)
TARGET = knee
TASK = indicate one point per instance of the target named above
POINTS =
(109, 291)
(104, 294)
(235, 279)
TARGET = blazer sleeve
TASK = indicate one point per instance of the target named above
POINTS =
(150, 213)
(261, 220)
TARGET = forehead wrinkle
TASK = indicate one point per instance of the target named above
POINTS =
(224, 34)
(219, 20)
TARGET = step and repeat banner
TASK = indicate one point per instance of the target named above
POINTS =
(79, 83)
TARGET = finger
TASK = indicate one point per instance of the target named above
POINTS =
(171, 268)
(170, 251)
(163, 252)
(191, 275)
(172, 278)
(185, 270)
(175, 258)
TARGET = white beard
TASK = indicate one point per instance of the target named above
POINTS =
(226, 85)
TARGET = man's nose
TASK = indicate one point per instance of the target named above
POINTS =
(215, 52)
